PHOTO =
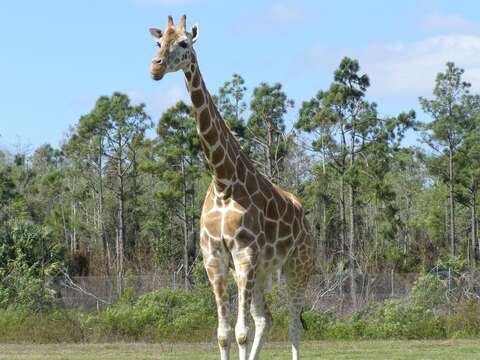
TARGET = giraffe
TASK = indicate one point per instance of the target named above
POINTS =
(248, 225)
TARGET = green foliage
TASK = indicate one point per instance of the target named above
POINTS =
(179, 315)
(266, 128)
(429, 292)
(400, 320)
(464, 321)
(55, 326)
(159, 315)
(231, 105)
(450, 109)
(28, 257)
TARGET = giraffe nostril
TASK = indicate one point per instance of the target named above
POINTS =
(159, 61)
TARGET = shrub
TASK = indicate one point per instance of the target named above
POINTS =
(464, 321)
(53, 326)
(158, 315)
(27, 258)
(429, 292)
(404, 320)
(179, 315)
(317, 324)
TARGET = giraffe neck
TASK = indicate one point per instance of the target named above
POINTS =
(219, 145)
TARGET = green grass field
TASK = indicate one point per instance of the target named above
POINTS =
(339, 350)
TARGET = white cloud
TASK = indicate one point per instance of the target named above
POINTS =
(409, 68)
(449, 23)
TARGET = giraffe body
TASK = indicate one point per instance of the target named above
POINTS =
(248, 225)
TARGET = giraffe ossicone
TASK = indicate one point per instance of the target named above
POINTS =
(248, 224)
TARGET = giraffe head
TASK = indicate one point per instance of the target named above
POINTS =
(176, 47)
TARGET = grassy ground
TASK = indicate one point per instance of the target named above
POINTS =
(372, 350)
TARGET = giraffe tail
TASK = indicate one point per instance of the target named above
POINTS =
(302, 320)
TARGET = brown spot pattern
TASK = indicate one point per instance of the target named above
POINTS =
(231, 223)
(269, 252)
(272, 212)
(288, 217)
(204, 120)
(213, 222)
(270, 230)
(241, 171)
(251, 183)
(211, 136)
(283, 229)
(197, 98)
(250, 220)
(196, 80)
(217, 155)
(240, 195)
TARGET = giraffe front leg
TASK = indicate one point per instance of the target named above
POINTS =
(224, 329)
(244, 276)
(217, 271)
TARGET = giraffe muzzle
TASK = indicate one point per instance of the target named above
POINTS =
(157, 70)
(157, 77)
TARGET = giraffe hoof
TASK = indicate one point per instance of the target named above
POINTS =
(223, 342)
(242, 339)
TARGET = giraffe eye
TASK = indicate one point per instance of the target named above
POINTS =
(183, 44)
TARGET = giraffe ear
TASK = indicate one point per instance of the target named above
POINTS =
(156, 33)
(195, 33)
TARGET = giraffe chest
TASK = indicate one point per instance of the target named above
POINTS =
(223, 219)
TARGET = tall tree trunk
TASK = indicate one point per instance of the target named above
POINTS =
(341, 195)
(352, 245)
(351, 230)
(65, 232)
(323, 201)
(451, 202)
(269, 172)
(341, 210)
(121, 229)
(447, 223)
(185, 228)
(322, 249)
(74, 245)
(103, 233)
(475, 243)
(135, 223)
(193, 237)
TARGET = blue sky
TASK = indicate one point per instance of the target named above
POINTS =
(57, 57)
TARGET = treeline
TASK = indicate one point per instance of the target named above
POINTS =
(113, 200)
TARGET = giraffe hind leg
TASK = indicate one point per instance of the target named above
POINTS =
(297, 274)
(261, 317)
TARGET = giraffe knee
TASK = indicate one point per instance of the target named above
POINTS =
(223, 341)
(241, 334)
(223, 336)
(242, 339)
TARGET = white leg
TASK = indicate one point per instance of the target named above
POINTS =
(261, 316)
(295, 328)
(245, 283)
